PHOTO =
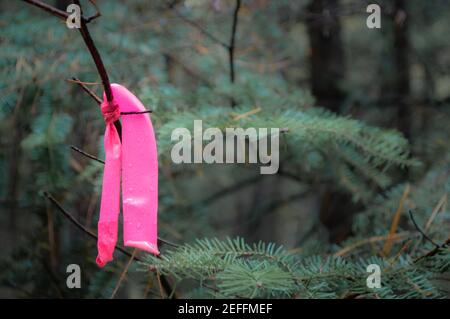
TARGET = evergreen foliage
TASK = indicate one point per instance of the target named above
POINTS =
(261, 270)
(182, 74)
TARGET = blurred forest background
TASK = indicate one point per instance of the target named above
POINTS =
(368, 122)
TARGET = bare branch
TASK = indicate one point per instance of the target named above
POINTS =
(50, 9)
(60, 13)
(136, 112)
(96, 57)
(80, 226)
(434, 251)
(232, 45)
(97, 13)
(197, 26)
(76, 149)
(86, 89)
(98, 100)
(421, 231)
(165, 282)
(84, 31)
(233, 39)
(124, 272)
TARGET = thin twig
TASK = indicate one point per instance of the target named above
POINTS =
(76, 149)
(161, 290)
(370, 240)
(84, 31)
(394, 225)
(233, 39)
(86, 89)
(92, 234)
(124, 272)
(420, 230)
(231, 46)
(50, 9)
(98, 100)
(74, 221)
(197, 26)
(136, 112)
(439, 207)
(167, 286)
(60, 13)
(436, 210)
(434, 251)
(97, 13)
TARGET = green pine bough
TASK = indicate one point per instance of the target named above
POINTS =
(233, 268)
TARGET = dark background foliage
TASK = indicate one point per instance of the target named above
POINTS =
(367, 113)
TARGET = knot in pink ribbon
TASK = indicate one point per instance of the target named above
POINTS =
(110, 110)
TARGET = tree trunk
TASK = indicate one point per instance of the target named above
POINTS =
(401, 66)
(327, 69)
(327, 56)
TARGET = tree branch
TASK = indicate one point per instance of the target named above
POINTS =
(73, 220)
(434, 251)
(231, 46)
(233, 39)
(197, 26)
(84, 31)
(60, 13)
(77, 224)
(86, 89)
(76, 149)
(50, 9)
(98, 100)
(421, 231)
(124, 272)
(97, 12)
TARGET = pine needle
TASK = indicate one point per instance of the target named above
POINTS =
(344, 251)
(394, 225)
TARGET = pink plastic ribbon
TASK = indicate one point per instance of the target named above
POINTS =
(135, 161)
